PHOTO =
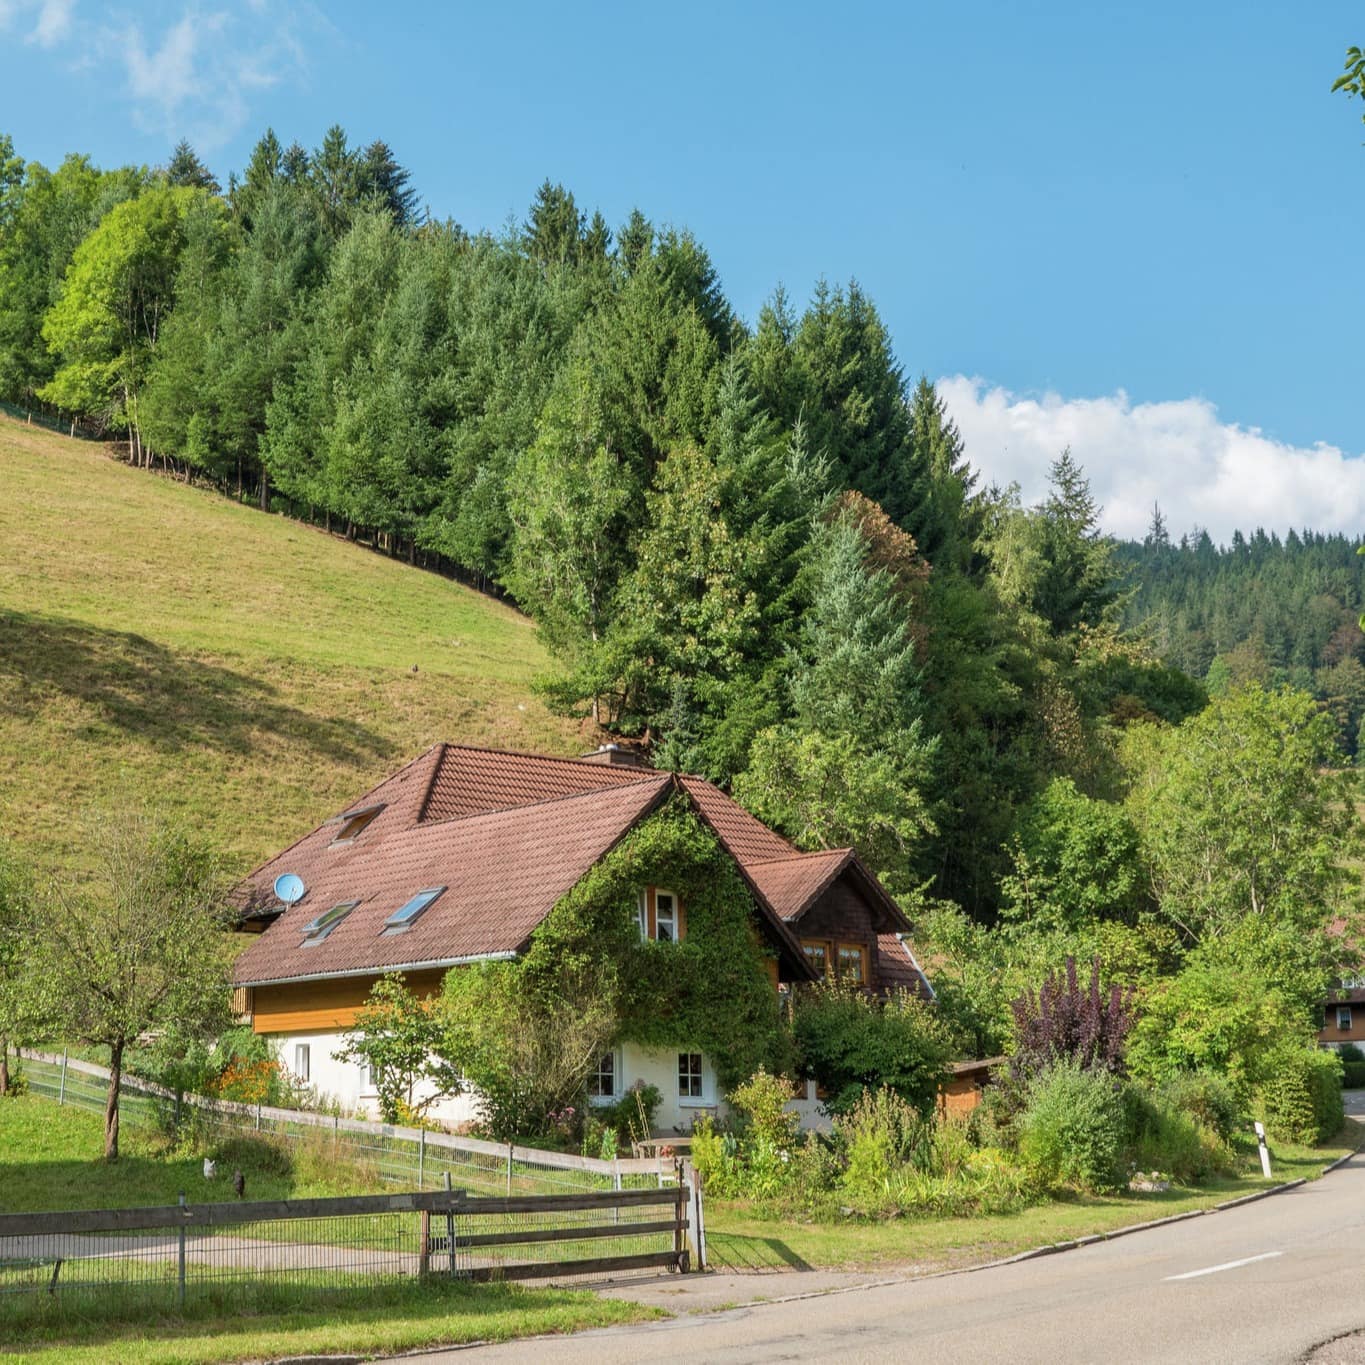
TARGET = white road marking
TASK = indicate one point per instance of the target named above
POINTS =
(1227, 1265)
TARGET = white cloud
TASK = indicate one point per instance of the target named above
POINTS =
(197, 77)
(1202, 471)
(54, 22)
(47, 21)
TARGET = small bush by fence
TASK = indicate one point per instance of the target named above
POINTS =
(410, 1157)
(124, 1262)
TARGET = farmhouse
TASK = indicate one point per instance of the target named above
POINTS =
(460, 856)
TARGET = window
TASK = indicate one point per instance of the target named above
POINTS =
(642, 913)
(602, 1082)
(665, 917)
(366, 1085)
(401, 918)
(817, 954)
(303, 1054)
(852, 964)
(689, 1076)
(318, 929)
(354, 823)
(1344, 1018)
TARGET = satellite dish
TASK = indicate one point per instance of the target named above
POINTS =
(289, 888)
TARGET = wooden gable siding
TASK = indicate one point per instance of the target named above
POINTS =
(1331, 1033)
(320, 1006)
(841, 915)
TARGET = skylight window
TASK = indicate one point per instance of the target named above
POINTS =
(405, 915)
(318, 929)
(354, 823)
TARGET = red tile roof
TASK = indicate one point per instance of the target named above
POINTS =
(503, 872)
(792, 883)
(468, 781)
(897, 968)
(747, 838)
(507, 834)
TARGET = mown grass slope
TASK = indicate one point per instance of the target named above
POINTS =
(159, 642)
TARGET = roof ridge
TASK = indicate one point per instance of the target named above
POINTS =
(431, 781)
(541, 801)
(799, 854)
(579, 761)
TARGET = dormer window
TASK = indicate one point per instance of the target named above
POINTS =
(403, 917)
(318, 929)
(354, 823)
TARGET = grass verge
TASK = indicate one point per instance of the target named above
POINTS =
(378, 1321)
(740, 1238)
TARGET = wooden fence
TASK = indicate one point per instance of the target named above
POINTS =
(340, 1244)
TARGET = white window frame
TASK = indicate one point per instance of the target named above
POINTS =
(642, 913)
(367, 1085)
(1344, 1018)
(303, 1063)
(703, 1098)
(672, 915)
(618, 1089)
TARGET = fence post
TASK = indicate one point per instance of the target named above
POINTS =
(258, 1116)
(450, 1229)
(509, 1170)
(679, 1215)
(180, 1283)
(61, 1089)
(698, 1226)
(421, 1158)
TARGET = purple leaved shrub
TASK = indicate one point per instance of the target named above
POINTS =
(1064, 1021)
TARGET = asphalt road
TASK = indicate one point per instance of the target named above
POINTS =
(1268, 1281)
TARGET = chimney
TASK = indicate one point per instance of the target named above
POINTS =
(614, 756)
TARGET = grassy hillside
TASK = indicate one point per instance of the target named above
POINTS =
(160, 642)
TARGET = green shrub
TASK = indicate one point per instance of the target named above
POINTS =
(1353, 1075)
(1206, 1098)
(1072, 1129)
(879, 1134)
(1161, 1136)
(1349, 1052)
(850, 1042)
(1300, 1096)
(761, 1101)
(715, 1156)
(633, 1114)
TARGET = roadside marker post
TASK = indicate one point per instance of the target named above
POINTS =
(1265, 1151)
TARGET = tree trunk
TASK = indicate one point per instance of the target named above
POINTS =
(111, 1103)
(4, 1065)
(265, 491)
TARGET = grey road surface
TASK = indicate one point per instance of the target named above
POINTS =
(1264, 1282)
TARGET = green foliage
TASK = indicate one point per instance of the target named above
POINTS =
(140, 949)
(1071, 1131)
(849, 1041)
(1212, 1018)
(1353, 1075)
(1240, 814)
(879, 1133)
(1207, 1098)
(398, 1037)
(761, 1101)
(25, 1005)
(1076, 860)
(633, 1114)
(1299, 1097)
(1167, 1139)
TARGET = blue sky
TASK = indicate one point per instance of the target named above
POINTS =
(1136, 227)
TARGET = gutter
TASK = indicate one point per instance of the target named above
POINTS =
(381, 970)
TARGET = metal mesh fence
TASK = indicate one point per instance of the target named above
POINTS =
(407, 1158)
(121, 1263)
(66, 425)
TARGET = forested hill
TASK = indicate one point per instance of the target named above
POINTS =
(1260, 609)
(755, 546)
